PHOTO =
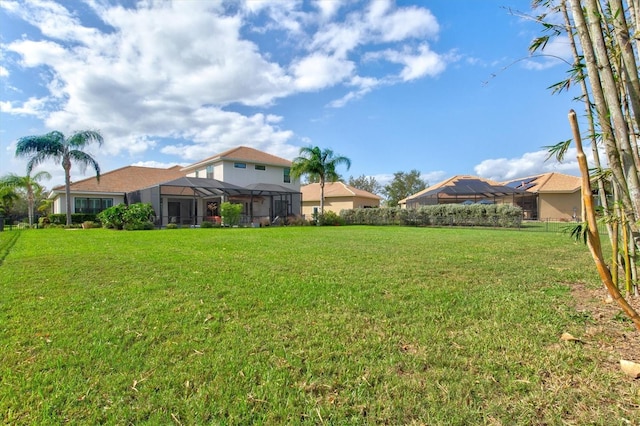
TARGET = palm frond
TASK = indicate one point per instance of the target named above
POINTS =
(84, 137)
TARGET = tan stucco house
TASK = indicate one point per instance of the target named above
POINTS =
(337, 196)
(548, 196)
(555, 196)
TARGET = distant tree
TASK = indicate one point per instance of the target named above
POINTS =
(54, 146)
(29, 184)
(402, 185)
(366, 183)
(318, 164)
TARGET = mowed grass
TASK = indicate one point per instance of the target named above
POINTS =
(335, 325)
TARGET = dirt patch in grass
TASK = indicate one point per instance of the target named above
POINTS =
(607, 327)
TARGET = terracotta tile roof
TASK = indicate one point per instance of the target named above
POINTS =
(245, 154)
(125, 179)
(547, 182)
(311, 192)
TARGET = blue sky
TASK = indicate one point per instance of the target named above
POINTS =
(444, 87)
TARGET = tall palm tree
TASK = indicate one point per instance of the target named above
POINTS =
(54, 146)
(29, 184)
(318, 164)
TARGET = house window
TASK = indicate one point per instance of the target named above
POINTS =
(260, 167)
(92, 205)
(240, 165)
(209, 172)
(287, 175)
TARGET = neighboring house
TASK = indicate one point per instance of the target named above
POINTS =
(554, 196)
(261, 182)
(463, 189)
(92, 196)
(337, 196)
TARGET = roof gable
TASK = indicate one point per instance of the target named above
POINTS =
(242, 154)
(311, 192)
(547, 182)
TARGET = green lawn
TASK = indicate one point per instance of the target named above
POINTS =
(331, 325)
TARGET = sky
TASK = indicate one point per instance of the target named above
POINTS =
(439, 86)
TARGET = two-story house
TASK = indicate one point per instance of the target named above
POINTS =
(259, 181)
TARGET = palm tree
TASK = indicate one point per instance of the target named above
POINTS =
(319, 165)
(7, 197)
(29, 184)
(54, 146)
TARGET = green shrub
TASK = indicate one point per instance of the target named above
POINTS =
(133, 217)
(296, 221)
(139, 226)
(172, 226)
(138, 213)
(113, 217)
(330, 218)
(230, 213)
(77, 218)
(206, 224)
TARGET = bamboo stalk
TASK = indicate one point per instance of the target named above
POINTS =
(592, 232)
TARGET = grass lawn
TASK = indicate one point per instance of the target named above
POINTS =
(331, 325)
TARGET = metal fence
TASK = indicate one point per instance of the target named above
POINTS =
(554, 225)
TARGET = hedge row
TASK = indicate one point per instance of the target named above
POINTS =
(502, 215)
(61, 219)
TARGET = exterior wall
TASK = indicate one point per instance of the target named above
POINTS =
(225, 171)
(249, 175)
(335, 204)
(60, 204)
(559, 205)
(308, 207)
(361, 202)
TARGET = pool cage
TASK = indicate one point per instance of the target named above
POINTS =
(476, 191)
(189, 201)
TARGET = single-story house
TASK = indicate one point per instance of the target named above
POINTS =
(463, 189)
(555, 196)
(261, 182)
(337, 196)
(92, 196)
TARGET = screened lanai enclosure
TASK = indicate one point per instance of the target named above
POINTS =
(476, 191)
(189, 201)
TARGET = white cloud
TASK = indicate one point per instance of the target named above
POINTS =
(399, 24)
(214, 130)
(531, 163)
(556, 52)
(318, 71)
(33, 106)
(157, 164)
(419, 63)
(139, 77)
(328, 8)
